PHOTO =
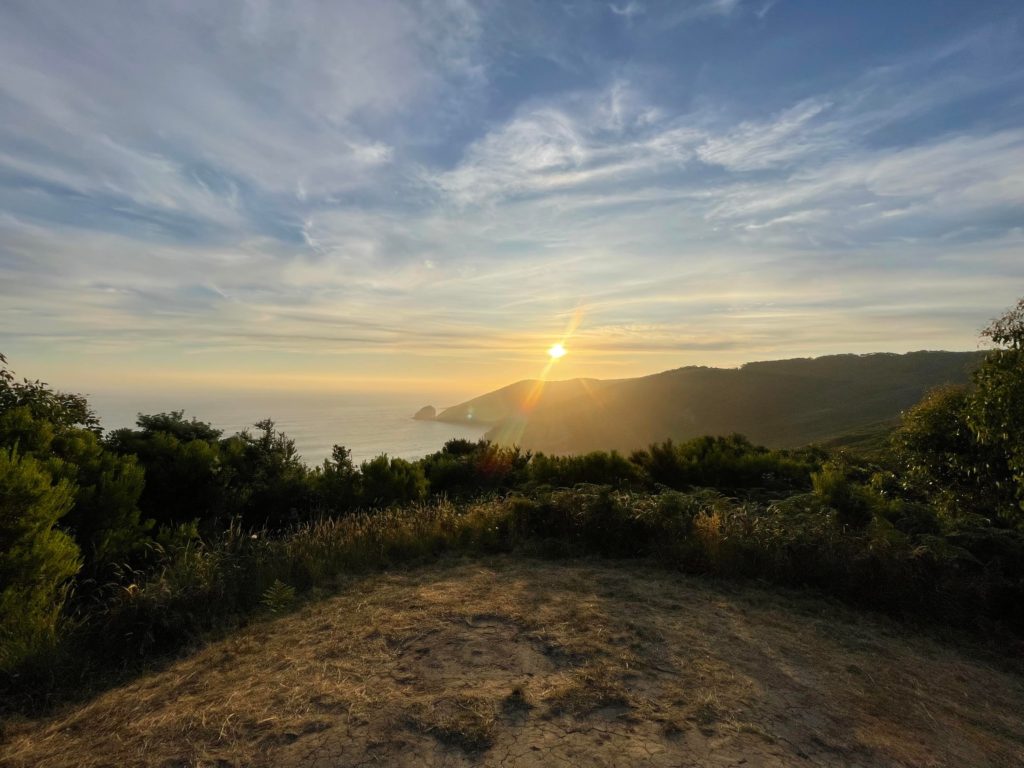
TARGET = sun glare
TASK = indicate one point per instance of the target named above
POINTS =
(556, 351)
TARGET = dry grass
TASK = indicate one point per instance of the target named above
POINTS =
(514, 662)
(585, 691)
(461, 721)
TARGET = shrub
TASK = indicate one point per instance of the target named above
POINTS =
(388, 481)
(450, 473)
(181, 460)
(599, 468)
(37, 560)
(278, 597)
(852, 502)
(727, 463)
(266, 483)
(463, 469)
(609, 525)
(940, 461)
(336, 482)
(105, 519)
(995, 414)
(541, 519)
(671, 516)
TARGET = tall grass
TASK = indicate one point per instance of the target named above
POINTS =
(800, 541)
(201, 586)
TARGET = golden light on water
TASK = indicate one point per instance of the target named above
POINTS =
(556, 351)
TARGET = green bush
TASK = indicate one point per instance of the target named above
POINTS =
(336, 482)
(463, 469)
(940, 461)
(37, 559)
(853, 503)
(671, 517)
(265, 482)
(995, 412)
(599, 468)
(181, 460)
(105, 519)
(278, 597)
(726, 462)
(388, 481)
(547, 519)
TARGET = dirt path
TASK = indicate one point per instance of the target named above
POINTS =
(523, 663)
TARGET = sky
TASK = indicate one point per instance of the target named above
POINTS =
(402, 196)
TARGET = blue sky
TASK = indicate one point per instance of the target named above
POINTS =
(428, 194)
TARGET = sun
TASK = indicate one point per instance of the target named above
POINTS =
(556, 351)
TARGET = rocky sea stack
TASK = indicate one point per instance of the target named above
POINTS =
(426, 413)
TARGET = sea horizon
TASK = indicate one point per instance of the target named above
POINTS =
(367, 423)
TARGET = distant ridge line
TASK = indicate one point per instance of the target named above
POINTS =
(779, 403)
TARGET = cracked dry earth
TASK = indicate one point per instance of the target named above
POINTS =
(512, 662)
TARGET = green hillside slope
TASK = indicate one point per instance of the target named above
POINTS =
(782, 403)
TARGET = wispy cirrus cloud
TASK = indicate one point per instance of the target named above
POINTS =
(781, 140)
(168, 110)
(428, 189)
(805, 170)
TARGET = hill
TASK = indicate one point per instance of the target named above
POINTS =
(507, 661)
(781, 404)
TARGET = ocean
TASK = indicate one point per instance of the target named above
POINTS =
(367, 424)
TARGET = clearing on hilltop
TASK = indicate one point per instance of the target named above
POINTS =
(511, 661)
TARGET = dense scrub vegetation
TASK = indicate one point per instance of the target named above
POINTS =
(118, 547)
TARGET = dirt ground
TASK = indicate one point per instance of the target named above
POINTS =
(511, 662)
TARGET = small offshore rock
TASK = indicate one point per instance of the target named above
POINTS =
(426, 413)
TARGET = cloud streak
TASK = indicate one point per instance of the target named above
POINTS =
(426, 189)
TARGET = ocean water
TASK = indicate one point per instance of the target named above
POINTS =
(367, 424)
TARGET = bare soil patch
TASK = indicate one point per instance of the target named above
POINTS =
(512, 662)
